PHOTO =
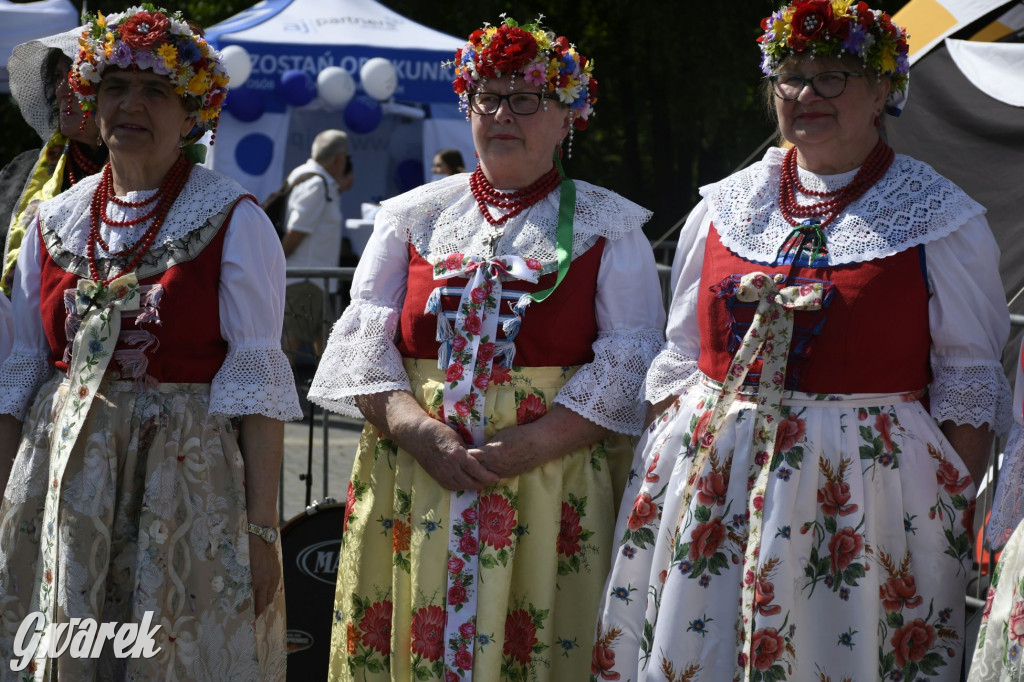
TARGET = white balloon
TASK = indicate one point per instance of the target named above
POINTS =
(237, 64)
(379, 78)
(335, 86)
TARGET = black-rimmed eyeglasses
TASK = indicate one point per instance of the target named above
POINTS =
(827, 84)
(521, 103)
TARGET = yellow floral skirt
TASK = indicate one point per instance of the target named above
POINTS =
(545, 538)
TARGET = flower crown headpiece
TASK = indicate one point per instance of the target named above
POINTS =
(833, 28)
(145, 37)
(530, 52)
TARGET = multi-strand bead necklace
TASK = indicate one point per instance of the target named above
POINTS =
(161, 201)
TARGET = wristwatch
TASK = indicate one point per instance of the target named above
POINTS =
(265, 533)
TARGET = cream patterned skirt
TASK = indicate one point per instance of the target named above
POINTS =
(151, 521)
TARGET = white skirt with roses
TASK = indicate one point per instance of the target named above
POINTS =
(863, 547)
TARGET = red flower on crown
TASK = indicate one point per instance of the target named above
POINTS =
(810, 19)
(510, 51)
(144, 30)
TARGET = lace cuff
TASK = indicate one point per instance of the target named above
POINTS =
(606, 391)
(1008, 504)
(671, 373)
(360, 359)
(971, 391)
(255, 380)
(21, 375)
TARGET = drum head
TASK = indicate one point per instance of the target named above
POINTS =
(310, 544)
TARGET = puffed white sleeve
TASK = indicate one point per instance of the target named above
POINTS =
(361, 357)
(1008, 504)
(255, 377)
(969, 325)
(27, 366)
(630, 316)
(675, 368)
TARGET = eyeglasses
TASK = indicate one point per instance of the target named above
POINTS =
(827, 84)
(521, 103)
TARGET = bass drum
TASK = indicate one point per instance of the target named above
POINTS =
(310, 544)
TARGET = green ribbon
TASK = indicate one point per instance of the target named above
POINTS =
(810, 229)
(563, 237)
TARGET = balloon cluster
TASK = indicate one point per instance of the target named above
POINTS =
(334, 87)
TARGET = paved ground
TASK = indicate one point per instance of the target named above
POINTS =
(342, 436)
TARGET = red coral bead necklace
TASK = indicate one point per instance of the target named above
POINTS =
(163, 199)
(80, 161)
(516, 202)
(834, 202)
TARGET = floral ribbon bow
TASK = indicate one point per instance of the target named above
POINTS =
(769, 336)
(466, 380)
(100, 307)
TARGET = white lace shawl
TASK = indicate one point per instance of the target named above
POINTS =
(910, 205)
(967, 310)
(255, 377)
(442, 218)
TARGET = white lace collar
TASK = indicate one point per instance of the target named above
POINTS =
(442, 217)
(911, 205)
(205, 195)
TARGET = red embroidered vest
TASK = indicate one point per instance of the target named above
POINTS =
(176, 337)
(559, 332)
(871, 336)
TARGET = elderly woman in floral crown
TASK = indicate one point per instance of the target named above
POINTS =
(148, 373)
(500, 327)
(798, 510)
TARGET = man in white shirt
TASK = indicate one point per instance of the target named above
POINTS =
(313, 234)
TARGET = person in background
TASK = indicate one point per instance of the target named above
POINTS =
(447, 162)
(795, 510)
(500, 326)
(313, 236)
(148, 373)
(73, 149)
(997, 656)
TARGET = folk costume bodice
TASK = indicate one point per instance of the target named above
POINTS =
(605, 315)
(906, 278)
(210, 302)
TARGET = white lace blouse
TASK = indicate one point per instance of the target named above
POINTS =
(911, 205)
(255, 377)
(443, 218)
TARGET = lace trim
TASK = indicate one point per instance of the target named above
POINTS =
(206, 199)
(606, 390)
(671, 373)
(360, 359)
(971, 391)
(442, 217)
(911, 205)
(21, 375)
(1008, 503)
(255, 380)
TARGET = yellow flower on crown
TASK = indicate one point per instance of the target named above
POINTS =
(108, 44)
(200, 83)
(101, 21)
(169, 53)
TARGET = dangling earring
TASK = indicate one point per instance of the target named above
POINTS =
(878, 121)
(571, 129)
(67, 104)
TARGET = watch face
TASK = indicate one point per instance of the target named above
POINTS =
(272, 535)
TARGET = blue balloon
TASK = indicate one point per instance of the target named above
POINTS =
(254, 153)
(363, 114)
(409, 174)
(297, 87)
(246, 104)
